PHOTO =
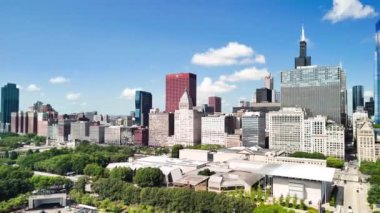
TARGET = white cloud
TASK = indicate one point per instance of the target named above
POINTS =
(250, 74)
(58, 80)
(33, 88)
(72, 96)
(368, 93)
(232, 54)
(348, 9)
(83, 104)
(129, 93)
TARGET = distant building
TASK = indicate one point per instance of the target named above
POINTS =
(366, 142)
(263, 95)
(117, 135)
(161, 125)
(286, 129)
(216, 103)
(268, 82)
(302, 60)
(233, 140)
(97, 133)
(188, 123)
(10, 98)
(377, 75)
(64, 129)
(357, 116)
(369, 106)
(141, 137)
(80, 130)
(357, 97)
(143, 104)
(259, 107)
(14, 122)
(216, 128)
(31, 123)
(253, 129)
(176, 84)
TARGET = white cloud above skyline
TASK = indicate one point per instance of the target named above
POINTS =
(233, 53)
(72, 96)
(368, 94)
(33, 88)
(58, 80)
(349, 9)
(129, 93)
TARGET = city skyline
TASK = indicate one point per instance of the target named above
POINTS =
(105, 54)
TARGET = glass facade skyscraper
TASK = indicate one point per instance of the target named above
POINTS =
(9, 102)
(143, 104)
(357, 97)
(320, 90)
(377, 75)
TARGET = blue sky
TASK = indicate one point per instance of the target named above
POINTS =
(81, 55)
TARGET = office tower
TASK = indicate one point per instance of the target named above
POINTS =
(357, 116)
(90, 115)
(31, 124)
(10, 97)
(335, 143)
(141, 137)
(42, 124)
(357, 97)
(302, 60)
(369, 106)
(253, 129)
(366, 142)
(216, 103)
(215, 128)
(176, 84)
(64, 128)
(188, 122)
(116, 135)
(268, 82)
(80, 130)
(97, 133)
(263, 95)
(21, 121)
(320, 90)
(377, 74)
(161, 126)
(143, 104)
(286, 129)
(14, 122)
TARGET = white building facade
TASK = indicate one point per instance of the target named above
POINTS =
(366, 142)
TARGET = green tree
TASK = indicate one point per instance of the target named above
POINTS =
(56, 183)
(6, 154)
(175, 150)
(314, 155)
(374, 194)
(271, 209)
(302, 204)
(294, 201)
(80, 185)
(148, 177)
(334, 162)
(122, 173)
(281, 200)
(13, 155)
(206, 172)
(93, 170)
(287, 200)
(259, 193)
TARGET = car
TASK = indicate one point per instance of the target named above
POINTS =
(345, 181)
(357, 190)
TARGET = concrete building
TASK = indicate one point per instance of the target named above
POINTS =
(80, 130)
(116, 135)
(253, 129)
(358, 115)
(14, 122)
(216, 128)
(42, 124)
(195, 154)
(335, 144)
(286, 129)
(366, 142)
(141, 137)
(52, 132)
(233, 140)
(97, 133)
(161, 126)
(188, 124)
(32, 122)
(64, 129)
(268, 82)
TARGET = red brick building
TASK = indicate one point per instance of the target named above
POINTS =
(175, 87)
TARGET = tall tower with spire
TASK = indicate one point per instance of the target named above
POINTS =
(302, 60)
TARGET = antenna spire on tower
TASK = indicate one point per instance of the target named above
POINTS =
(303, 38)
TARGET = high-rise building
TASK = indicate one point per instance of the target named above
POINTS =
(377, 74)
(143, 104)
(14, 122)
(215, 129)
(366, 142)
(188, 123)
(116, 135)
(357, 116)
(357, 97)
(9, 102)
(302, 60)
(31, 124)
(64, 128)
(253, 129)
(97, 133)
(161, 126)
(263, 95)
(369, 106)
(320, 90)
(286, 129)
(268, 82)
(141, 137)
(176, 84)
(216, 103)
(80, 130)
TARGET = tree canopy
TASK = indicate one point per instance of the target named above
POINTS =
(148, 177)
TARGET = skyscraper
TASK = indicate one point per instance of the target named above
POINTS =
(176, 84)
(377, 74)
(302, 59)
(215, 103)
(268, 82)
(357, 97)
(143, 104)
(263, 95)
(9, 102)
